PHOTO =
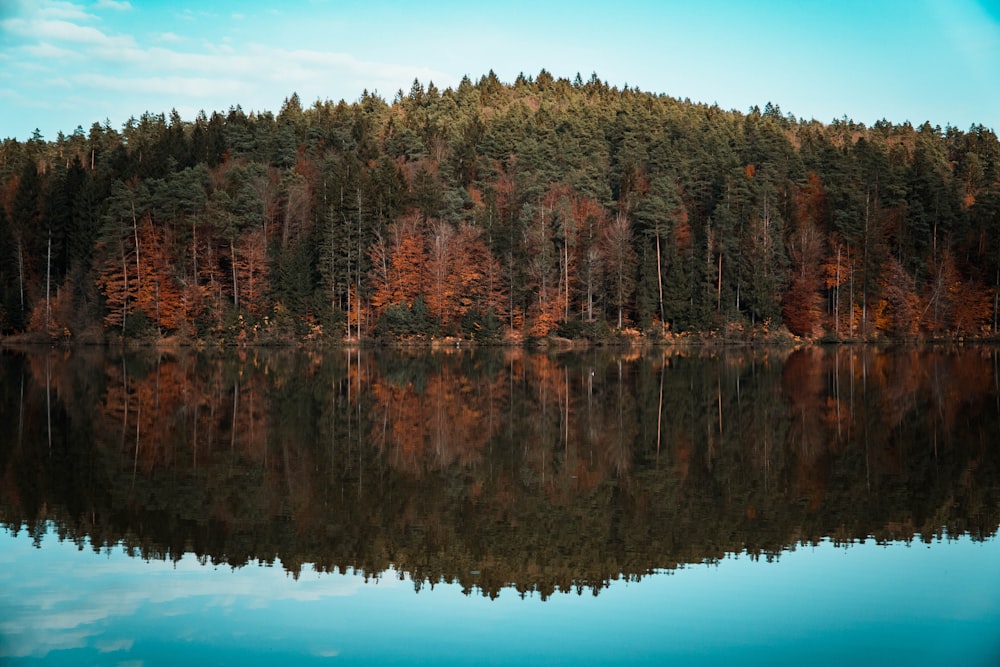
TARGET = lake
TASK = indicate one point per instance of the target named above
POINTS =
(497, 506)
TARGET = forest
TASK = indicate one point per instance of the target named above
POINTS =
(500, 212)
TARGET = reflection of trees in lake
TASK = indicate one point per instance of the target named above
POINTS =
(540, 472)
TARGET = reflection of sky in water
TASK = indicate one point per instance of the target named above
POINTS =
(867, 604)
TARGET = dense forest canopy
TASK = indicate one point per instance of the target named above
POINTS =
(500, 211)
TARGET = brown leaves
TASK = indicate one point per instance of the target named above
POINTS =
(450, 267)
(140, 278)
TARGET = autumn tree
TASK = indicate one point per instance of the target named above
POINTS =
(725, 217)
(801, 307)
(440, 271)
(897, 312)
(404, 272)
(121, 278)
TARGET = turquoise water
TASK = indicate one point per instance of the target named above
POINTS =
(696, 507)
(864, 604)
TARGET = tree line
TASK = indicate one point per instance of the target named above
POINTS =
(495, 211)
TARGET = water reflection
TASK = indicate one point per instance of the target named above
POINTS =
(498, 469)
(864, 605)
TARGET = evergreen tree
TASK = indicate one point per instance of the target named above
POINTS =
(595, 205)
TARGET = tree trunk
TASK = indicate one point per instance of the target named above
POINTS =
(48, 284)
(194, 248)
(659, 274)
(125, 277)
(357, 297)
(621, 287)
(851, 304)
(836, 296)
(20, 270)
(135, 233)
(864, 274)
(566, 280)
(510, 286)
(589, 280)
(996, 297)
(718, 287)
(236, 291)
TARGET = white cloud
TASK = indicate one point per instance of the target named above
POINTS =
(68, 11)
(59, 30)
(326, 653)
(189, 14)
(24, 10)
(13, 26)
(113, 646)
(225, 73)
(53, 35)
(124, 5)
(28, 70)
(18, 98)
(59, 51)
(176, 86)
(61, 599)
(47, 51)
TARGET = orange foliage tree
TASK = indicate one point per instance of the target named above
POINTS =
(954, 304)
(801, 305)
(160, 295)
(118, 284)
(398, 264)
(477, 275)
(146, 283)
(897, 312)
(462, 275)
(442, 264)
(451, 268)
(836, 273)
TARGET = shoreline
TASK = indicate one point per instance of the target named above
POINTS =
(703, 340)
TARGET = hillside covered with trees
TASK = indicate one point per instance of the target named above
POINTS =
(499, 211)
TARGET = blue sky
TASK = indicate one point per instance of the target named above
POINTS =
(65, 63)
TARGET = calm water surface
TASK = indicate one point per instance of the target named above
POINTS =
(498, 507)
